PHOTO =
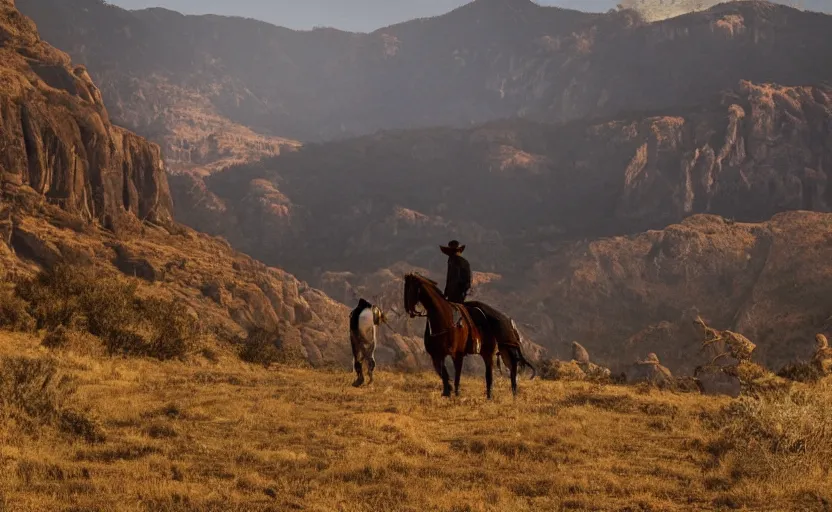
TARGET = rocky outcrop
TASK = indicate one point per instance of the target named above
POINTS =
(630, 295)
(230, 293)
(56, 137)
(650, 371)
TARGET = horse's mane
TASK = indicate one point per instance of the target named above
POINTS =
(426, 281)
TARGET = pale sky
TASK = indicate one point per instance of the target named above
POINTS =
(354, 15)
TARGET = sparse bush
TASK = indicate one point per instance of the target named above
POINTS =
(801, 372)
(34, 393)
(777, 435)
(172, 329)
(265, 347)
(77, 297)
(14, 314)
(69, 298)
(553, 369)
(757, 379)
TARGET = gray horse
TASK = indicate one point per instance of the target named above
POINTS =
(364, 320)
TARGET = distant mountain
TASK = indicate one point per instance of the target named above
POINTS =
(368, 15)
(354, 15)
(179, 79)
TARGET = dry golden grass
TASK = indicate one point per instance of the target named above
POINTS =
(231, 436)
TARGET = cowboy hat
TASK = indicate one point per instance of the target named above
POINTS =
(452, 248)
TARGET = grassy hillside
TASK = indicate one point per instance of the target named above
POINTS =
(142, 435)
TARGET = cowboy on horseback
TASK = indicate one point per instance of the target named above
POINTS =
(458, 282)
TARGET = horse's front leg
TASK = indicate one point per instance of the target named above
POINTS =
(458, 360)
(371, 365)
(439, 366)
(359, 370)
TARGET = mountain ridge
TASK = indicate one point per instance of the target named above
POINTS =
(553, 66)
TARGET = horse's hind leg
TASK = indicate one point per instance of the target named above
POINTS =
(359, 370)
(489, 375)
(513, 368)
(458, 358)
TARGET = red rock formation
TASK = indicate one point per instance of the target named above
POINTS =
(55, 135)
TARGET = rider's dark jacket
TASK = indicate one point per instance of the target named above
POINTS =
(458, 282)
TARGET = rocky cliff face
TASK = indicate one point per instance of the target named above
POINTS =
(629, 296)
(490, 59)
(56, 137)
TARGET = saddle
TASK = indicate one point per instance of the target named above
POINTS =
(461, 315)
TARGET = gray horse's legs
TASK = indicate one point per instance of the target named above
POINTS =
(371, 365)
(359, 370)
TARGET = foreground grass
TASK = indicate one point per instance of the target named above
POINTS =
(229, 436)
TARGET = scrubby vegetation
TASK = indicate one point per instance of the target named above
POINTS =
(68, 301)
(34, 393)
(266, 347)
(775, 436)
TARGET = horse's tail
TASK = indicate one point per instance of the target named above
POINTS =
(519, 348)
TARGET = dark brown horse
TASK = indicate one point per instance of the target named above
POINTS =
(446, 337)
(501, 330)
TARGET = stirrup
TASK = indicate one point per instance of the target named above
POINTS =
(457, 317)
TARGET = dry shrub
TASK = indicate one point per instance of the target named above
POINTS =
(757, 379)
(553, 369)
(35, 393)
(169, 329)
(14, 313)
(80, 342)
(70, 298)
(79, 297)
(266, 347)
(777, 435)
(801, 372)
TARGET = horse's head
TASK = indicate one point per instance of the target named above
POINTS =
(412, 294)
